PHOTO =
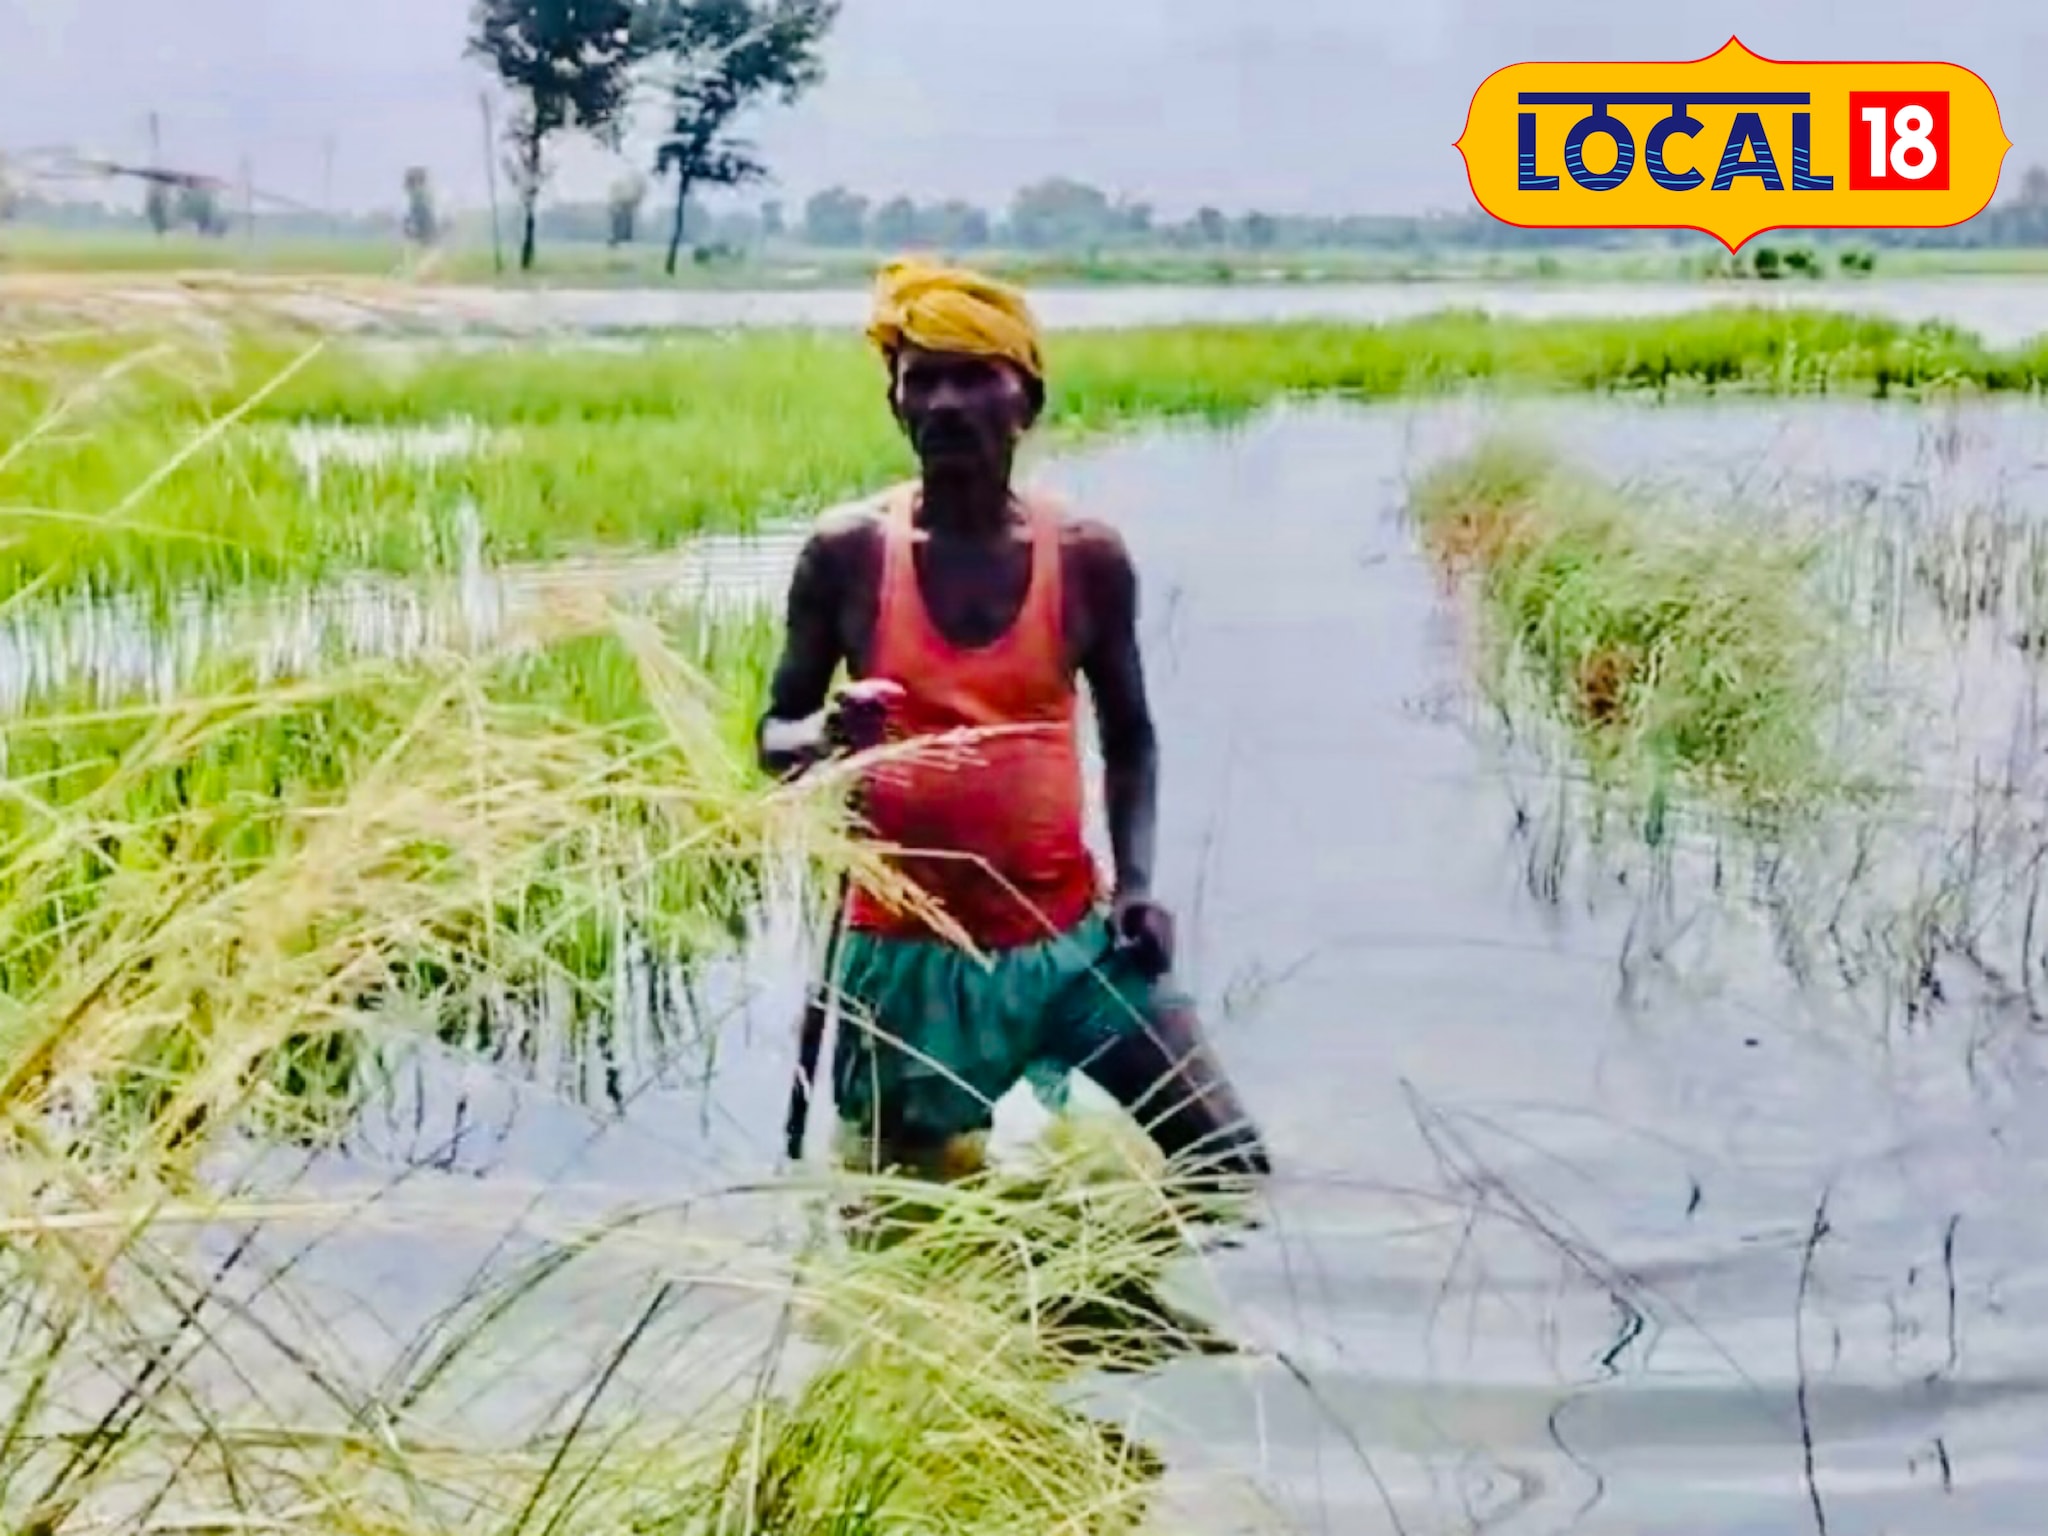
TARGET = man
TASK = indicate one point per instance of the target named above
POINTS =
(983, 603)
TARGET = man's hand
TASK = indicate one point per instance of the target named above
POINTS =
(855, 721)
(858, 720)
(1144, 932)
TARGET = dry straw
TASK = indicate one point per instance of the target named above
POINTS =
(231, 920)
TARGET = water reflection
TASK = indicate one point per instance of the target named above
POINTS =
(124, 649)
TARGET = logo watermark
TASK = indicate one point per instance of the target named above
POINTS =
(1734, 144)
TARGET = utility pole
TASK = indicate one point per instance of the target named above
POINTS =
(491, 177)
(248, 203)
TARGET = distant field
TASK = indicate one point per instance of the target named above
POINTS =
(40, 250)
(583, 264)
(597, 449)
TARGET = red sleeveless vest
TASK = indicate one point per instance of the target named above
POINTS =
(990, 828)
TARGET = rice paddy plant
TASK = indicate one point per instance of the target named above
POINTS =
(1982, 564)
(1896, 857)
(244, 514)
(150, 455)
(211, 784)
(183, 1348)
(963, 1329)
(1096, 376)
(1687, 656)
(229, 915)
(1958, 864)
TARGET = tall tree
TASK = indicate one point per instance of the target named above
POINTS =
(569, 64)
(954, 225)
(1060, 214)
(720, 57)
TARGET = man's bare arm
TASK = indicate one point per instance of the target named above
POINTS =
(1116, 677)
(790, 736)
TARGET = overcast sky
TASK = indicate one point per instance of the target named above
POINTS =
(1289, 105)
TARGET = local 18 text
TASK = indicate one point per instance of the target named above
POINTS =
(1899, 141)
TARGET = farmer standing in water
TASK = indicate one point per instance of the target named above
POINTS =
(983, 602)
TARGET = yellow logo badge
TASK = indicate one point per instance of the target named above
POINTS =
(1733, 144)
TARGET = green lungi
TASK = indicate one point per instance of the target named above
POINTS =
(930, 1037)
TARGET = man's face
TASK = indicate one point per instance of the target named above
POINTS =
(963, 413)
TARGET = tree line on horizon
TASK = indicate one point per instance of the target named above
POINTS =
(1063, 214)
(1057, 214)
(723, 55)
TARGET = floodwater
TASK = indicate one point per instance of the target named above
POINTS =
(1539, 1254)
(2002, 310)
(1544, 1256)
(123, 648)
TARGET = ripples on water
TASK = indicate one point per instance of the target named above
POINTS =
(1541, 1260)
(1541, 1253)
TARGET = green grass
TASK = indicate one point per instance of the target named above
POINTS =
(237, 919)
(1687, 656)
(617, 1369)
(228, 776)
(1814, 728)
(469, 259)
(829, 383)
(26, 249)
(602, 450)
(466, 257)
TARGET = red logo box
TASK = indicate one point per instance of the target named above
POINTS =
(1892, 135)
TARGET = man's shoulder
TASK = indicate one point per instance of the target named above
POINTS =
(1093, 555)
(1080, 532)
(1092, 546)
(852, 524)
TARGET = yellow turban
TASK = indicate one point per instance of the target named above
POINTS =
(950, 309)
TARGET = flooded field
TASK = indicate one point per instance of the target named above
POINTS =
(1555, 1263)
(2002, 310)
(126, 647)
(1604, 1207)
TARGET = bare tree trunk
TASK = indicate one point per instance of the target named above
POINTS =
(530, 196)
(675, 237)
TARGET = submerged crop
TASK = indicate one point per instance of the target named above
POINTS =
(230, 918)
(1685, 653)
(142, 457)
